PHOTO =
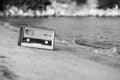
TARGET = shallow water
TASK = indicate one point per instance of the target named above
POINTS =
(76, 28)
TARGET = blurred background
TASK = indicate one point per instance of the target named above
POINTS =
(60, 7)
(35, 4)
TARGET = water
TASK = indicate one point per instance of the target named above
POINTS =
(78, 28)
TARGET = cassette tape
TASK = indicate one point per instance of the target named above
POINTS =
(36, 37)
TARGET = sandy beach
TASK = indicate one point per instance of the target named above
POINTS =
(69, 61)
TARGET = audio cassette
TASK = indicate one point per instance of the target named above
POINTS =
(37, 37)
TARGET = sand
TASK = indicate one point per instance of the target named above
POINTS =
(69, 61)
